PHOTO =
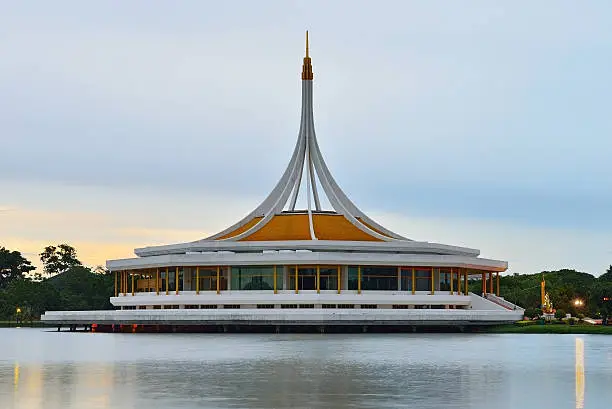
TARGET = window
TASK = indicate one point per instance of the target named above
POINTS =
(353, 277)
(288, 305)
(423, 279)
(306, 279)
(445, 280)
(208, 307)
(328, 278)
(406, 279)
(231, 306)
(157, 307)
(328, 306)
(192, 307)
(208, 279)
(369, 306)
(346, 306)
(400, 307)
(265, 305)
(379, 278)
(306, 306)
(256, 278)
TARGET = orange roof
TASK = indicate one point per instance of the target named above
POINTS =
(241, 229)
(294, 226)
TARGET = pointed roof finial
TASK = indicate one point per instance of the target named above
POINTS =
(307, 66)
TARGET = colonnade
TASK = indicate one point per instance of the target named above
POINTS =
(125, 280)
(487, 283)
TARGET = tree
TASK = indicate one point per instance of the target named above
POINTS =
(560, 314)
(100, 270)
(57, 260)
(532, 312)
(12, 266)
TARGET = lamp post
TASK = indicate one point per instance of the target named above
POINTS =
(18, 315)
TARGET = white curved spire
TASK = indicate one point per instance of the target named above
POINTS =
(307, 154)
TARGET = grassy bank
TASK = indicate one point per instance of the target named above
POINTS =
(13, 324)
(551, 329)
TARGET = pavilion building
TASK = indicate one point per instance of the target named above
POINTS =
(281, 264)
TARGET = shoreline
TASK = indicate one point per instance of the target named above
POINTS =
(519, 328)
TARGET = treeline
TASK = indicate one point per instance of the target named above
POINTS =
(64, 284)
(564, 288)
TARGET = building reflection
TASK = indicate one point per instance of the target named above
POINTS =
(62, 385)
(579, 373)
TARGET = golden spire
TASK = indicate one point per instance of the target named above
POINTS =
(307, 66)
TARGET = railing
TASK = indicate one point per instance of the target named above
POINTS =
(504, 303)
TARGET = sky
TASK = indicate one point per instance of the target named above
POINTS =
(475, 123)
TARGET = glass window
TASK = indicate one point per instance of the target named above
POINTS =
(445, 277)
(353, 277)
(255, 278)
(172, 279)
(423, 279)
(328, 278)
(306, 280)
(406, 278)
(180, 278)
(208, 279)
(379, 278)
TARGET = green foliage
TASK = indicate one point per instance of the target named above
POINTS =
(560, 314)
(75, 288)
(563, 286)
(82, 289)
(12, 266)
(551, 329)
(532, 312)
(57, 260)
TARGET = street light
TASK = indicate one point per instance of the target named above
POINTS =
(578, 302)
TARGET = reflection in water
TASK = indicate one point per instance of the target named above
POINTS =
(16, 376)
(579, 373)
(127, 371)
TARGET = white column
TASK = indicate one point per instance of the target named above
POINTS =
(229, 277)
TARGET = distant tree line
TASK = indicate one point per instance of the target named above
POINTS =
(64, 284)
(564, 288)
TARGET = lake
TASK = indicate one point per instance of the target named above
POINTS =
(40, 368)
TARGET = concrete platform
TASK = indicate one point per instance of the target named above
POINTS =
(253, 317)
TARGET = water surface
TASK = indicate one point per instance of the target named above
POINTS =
(49, 370)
